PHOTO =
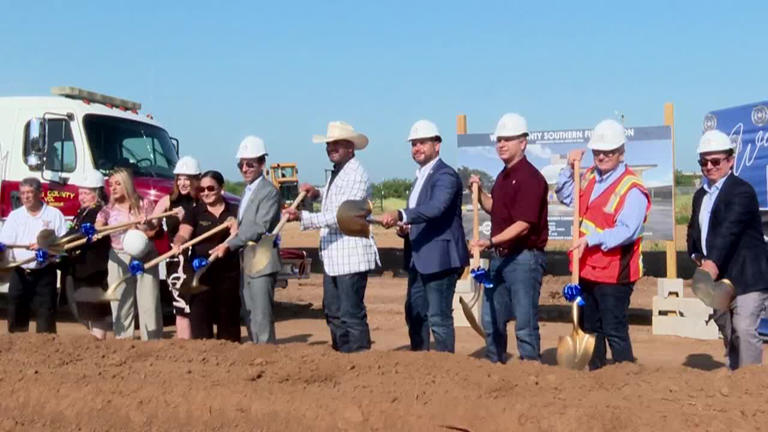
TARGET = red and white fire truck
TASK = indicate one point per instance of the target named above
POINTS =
(58, 138)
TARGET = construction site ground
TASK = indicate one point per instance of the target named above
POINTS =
(71, 382)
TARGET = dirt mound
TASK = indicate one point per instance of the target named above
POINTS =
(75, 383)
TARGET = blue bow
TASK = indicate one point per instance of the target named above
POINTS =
(88, 230)
(2, 247)
(572, 292)
(276, 243)
(481, 276)
(41, 256)
(199, 263)
(136, 267)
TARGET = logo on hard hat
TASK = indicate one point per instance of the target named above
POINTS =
(760, 115)
(710, 122)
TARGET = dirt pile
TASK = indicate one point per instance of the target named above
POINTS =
(70, 382)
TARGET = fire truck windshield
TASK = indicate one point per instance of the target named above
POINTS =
(118, 142)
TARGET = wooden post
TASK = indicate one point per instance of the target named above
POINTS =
(669, 120)
(461, 124)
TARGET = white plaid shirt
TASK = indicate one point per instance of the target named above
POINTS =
(342, 254)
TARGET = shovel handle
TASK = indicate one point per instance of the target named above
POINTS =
(475, 224)
(294, 205)
(155, 261)
(576, 222)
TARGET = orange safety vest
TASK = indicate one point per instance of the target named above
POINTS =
(622, 264)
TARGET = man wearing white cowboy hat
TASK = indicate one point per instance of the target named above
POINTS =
(435, 250)
(258, 214)
(346, 260)
(725, 238)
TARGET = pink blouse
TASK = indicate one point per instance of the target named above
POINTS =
(113, 215)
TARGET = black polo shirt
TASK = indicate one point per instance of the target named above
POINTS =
(201, 220)
(520, 194)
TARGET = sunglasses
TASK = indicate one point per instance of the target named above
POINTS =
(251, 164)
(714, 161)
(605, 153)
(208, 189)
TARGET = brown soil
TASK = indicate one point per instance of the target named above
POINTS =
(70, 382)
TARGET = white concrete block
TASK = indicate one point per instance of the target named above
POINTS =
(684, 307)
(684, 327)
(670, 286)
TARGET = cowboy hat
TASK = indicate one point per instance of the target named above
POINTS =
(339, 130)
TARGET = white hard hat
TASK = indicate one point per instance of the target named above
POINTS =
(714, 141)
(187, 165)
(91, 179)
(423, 129)
(607, 135)
(510, 125)
(135, 243)
(251, 147)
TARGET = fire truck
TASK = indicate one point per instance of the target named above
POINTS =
(58, 138)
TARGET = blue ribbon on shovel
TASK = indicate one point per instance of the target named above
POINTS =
(199, 263)
(88, 230)
(41, 256)
(481, 276)
(572, 292)
(136, 267)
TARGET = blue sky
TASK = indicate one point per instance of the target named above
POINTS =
(212, 73)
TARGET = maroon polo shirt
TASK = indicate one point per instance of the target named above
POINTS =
(520, 194)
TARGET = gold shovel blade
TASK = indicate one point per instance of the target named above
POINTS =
(256, 256)
(471, 318)
(352, 217)
(93, 294)
(575, 350)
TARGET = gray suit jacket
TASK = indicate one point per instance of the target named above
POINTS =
(261, 215)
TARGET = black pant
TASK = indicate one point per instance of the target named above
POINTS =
(220, 304)
(605, 314)
(344, 306)
(35, 288)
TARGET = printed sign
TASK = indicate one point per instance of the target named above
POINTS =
(648, 154)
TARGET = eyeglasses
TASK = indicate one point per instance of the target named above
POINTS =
(251, 164)
(605, 153)
(208, 189)
(714, 161)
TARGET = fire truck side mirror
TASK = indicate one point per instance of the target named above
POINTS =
(37, 141)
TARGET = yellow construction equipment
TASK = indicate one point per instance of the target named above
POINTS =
(285, 177)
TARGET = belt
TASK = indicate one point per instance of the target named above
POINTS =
(501, 251)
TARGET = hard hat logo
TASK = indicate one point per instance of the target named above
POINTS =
(607, 135)
(251, 147)
(423, 129)
(716, 141)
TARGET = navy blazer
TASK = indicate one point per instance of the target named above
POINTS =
(436, 241)
(735, 236)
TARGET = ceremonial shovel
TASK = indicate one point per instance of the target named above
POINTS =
(354, 218)
(717, 295)
(575, 350)
(466, 307)
(57, 248)
(110, 294)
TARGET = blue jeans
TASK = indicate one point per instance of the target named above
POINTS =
(605, 314)
(515, 294)
(429, 305)
(344, 306)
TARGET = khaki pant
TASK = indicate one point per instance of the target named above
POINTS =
(142, 291)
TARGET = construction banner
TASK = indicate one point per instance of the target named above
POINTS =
(648, 154)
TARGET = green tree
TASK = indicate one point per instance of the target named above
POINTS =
(683, 179)
(235, 188)
(392, 188)
(465, 172)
